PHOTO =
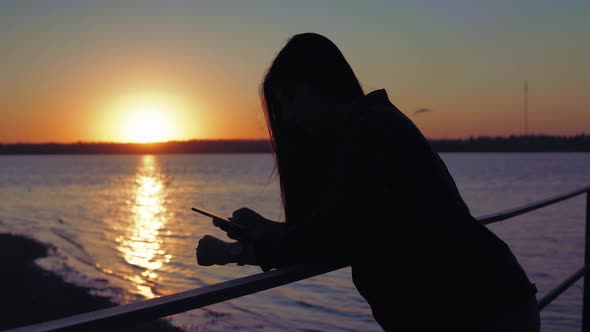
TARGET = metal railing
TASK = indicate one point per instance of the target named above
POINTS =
(142, 311)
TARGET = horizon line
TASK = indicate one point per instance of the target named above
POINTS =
(267, 140)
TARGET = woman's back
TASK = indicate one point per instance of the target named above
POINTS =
(419, 251)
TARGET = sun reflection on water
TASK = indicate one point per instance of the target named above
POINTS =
(141, 245)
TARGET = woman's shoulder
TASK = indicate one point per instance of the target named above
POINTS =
(371, 121)
(378, 117)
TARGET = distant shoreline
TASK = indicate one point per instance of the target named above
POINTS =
(540, 143)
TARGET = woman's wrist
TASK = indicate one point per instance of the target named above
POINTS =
(241, 253)
(234, 252)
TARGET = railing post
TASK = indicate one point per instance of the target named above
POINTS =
(586, 300)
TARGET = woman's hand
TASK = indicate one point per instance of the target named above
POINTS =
(248, 225)
(248, 218)
(213, 251)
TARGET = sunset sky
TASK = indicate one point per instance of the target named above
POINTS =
(175, 70)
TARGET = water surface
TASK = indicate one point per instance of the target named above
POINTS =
(122, 225)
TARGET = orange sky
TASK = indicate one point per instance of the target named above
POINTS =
(98, 71)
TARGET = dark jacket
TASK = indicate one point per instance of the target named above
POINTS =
(366, 189)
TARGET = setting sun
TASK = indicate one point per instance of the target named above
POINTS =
(149, 118)
(148, 122)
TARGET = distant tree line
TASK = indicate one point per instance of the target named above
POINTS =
(196, 146)
(538, 143)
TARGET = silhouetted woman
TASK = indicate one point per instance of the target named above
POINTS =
(361, 186)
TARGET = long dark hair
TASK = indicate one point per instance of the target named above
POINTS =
(313, 61)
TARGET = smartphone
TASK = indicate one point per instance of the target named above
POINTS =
(228, 222)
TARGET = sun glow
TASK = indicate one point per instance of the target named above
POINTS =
(148, 122)
(149, 118)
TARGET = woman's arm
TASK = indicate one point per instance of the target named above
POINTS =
(329, 235)
(270, 244)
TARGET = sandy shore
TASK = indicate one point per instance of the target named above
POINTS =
(32, 295)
